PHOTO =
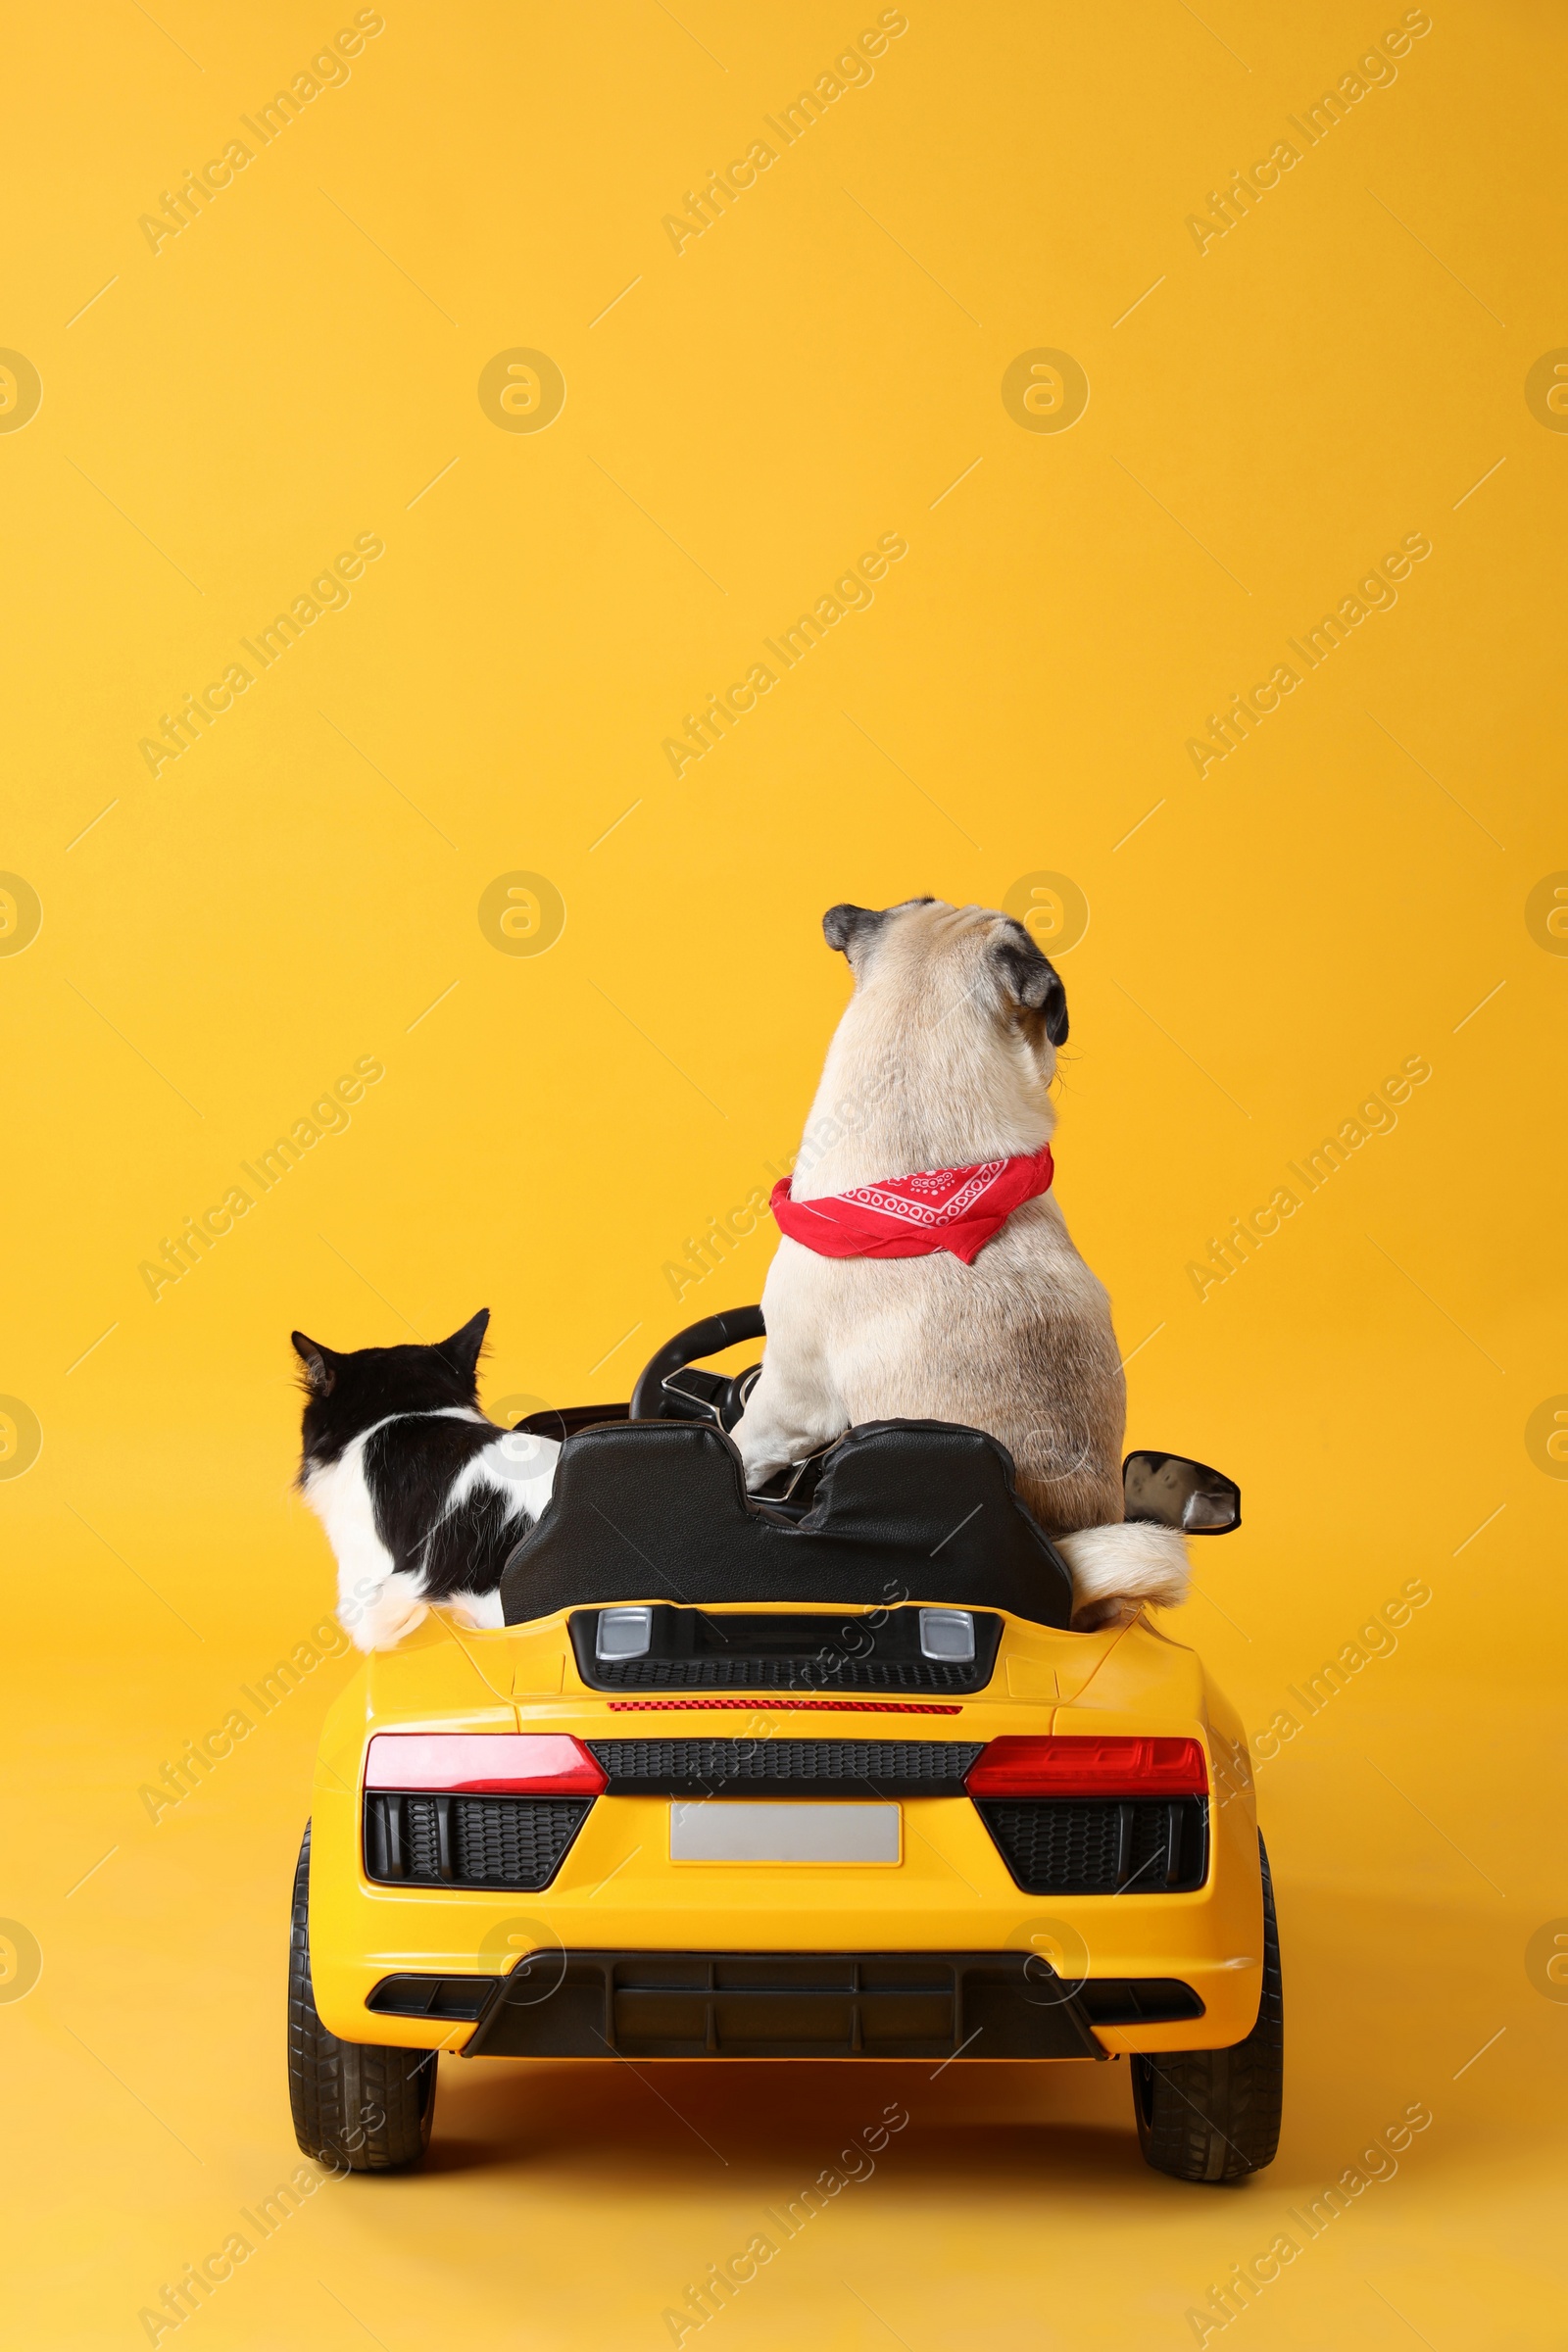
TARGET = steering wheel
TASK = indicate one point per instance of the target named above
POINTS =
(669, 1387)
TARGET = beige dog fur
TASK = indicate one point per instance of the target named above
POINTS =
(944, 1059)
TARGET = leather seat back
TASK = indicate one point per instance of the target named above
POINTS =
(906, 1510)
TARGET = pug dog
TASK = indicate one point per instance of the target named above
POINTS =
(898, 1291)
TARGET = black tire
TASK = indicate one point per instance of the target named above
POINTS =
(1214, 2115)
(355, 2103)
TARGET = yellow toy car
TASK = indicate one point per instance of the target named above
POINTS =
(825, 1775)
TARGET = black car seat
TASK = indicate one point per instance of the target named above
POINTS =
(905, 1510)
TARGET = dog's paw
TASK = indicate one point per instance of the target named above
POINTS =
(1116, 1569)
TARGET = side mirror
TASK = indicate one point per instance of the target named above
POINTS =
(1177, 1493)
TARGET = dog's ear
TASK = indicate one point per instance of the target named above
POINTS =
(852, 929)
(1031, 978)
(462, 1351)
(320, 1372)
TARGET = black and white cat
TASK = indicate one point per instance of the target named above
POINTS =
(420, 1495)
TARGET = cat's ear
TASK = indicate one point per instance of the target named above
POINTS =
(462, 1351)
(321, 1373)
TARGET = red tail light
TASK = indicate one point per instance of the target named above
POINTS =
(1078, 1766)
(484, 1763)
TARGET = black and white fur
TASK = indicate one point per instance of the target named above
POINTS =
(420, 1495)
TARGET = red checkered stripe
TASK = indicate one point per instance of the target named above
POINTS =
(764, 1702)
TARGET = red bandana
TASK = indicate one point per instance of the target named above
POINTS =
(959, 1210)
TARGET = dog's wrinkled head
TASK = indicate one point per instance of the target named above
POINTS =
(941, 957)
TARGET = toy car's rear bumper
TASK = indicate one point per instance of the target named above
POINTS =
(787, 2005)
(630, 1952)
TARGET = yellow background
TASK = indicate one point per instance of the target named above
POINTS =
(299, 889)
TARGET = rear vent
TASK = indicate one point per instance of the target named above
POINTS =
(1067, 1845)
(709, 1649)
(452, 2001)
(820, 1767)
(469, 1841)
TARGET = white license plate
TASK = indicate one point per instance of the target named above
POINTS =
(738, 1830)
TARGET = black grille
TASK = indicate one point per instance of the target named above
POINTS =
(422, 1845)
(712, 1649)
(469, 1840)
(830, 1767)
(805, 1673)
(1071, 1845)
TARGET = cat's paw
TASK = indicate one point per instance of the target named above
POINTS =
(477, 1612)
(382, 1617)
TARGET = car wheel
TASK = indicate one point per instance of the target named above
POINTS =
(1214, 2115)
(356, 2104)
